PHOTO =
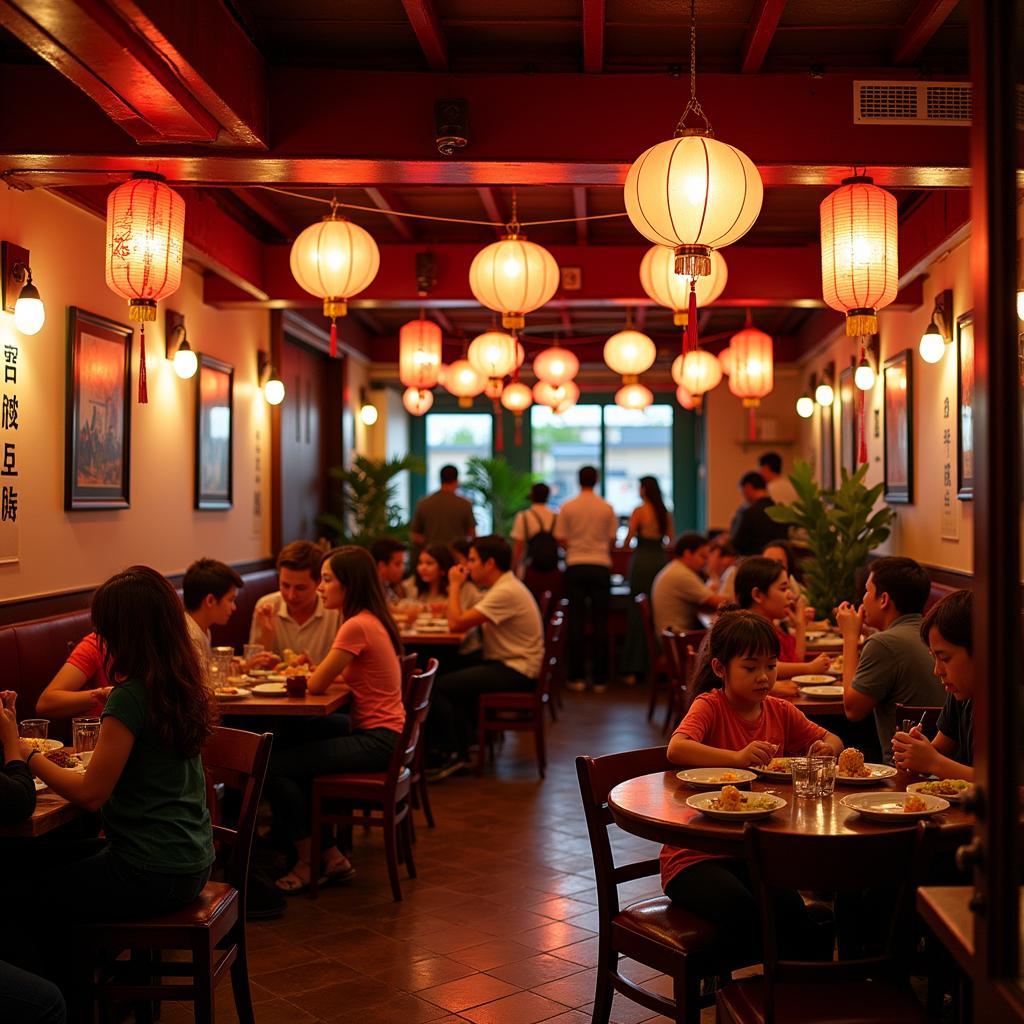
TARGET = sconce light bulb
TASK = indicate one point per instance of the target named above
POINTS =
(864, 376)
(185, 362)
(933, 345)
(29, 312)
(368, 414)
(824, 395)
(1020, 304)
(273, 391)
(805, 407)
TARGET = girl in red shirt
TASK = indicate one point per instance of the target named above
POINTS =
(733, 722)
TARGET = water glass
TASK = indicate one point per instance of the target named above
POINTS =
(805, 781)
(826, 775)
(249, 651)
(34, 728)
(84, 734)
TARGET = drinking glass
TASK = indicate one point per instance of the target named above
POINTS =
(249, 651)
(34, 728)
(825, 770)
(84, 734)
(805, 776)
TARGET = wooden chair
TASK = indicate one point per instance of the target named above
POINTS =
(654, 932)
(418, 781)
(554, 648)
(658, 667)
(925, 714)
(685, 644)
(522, 711)
(869, 988)
(386, 794)
(407, 664)
(213, 927)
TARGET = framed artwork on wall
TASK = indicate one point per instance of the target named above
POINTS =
(965, 404)
(828, 449)
(847, 421)
(97, 420)
(899, 429)
(214, 432)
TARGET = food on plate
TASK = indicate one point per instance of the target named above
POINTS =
(227, 691)
(731, 799)
(62, 759)
(724, 777)
(851, 764)
(914, 803)
(944, 787)
(296, 670)
(37, 744)
(837, 663)
(777, 764)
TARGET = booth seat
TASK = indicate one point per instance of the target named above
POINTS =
(937, 593)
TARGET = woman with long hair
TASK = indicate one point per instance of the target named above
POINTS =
(145, 776)
(651, 526)
(429, 588)
(365, 655)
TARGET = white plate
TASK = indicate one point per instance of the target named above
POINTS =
(812, 680)
(701, 802)
(259, 673)
(40, 785)
(889, 806)
(45, 746)
(270, 690)
(953, 798)
(786, 776)
(241, 695)
(85, 757)
(712, 778)
(826, 641)
(829, 692)
(878, 773)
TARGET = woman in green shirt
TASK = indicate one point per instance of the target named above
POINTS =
(145, 776)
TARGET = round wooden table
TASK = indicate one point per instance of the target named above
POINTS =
(654, 807)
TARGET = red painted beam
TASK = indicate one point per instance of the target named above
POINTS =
(924, 21)
(165, 73)
(258, 202)
(579, 208)
(401, 224)
(760, 32)
(427, 26)
(593, 36)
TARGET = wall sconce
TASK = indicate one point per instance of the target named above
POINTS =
(824, 393)
(864, 375)
(20, 295)
(267, 379)
(368, 414)
(178, 349)
(939, 332)
(805, 404)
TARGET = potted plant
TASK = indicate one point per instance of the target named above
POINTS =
(494, 483)
(841, 528)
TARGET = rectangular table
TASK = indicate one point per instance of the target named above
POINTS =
(311, 704)
(416, 640)
(51, 812)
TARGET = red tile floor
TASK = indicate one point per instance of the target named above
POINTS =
(500, 925)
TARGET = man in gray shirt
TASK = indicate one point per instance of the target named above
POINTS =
(443, 516)
(894, 666)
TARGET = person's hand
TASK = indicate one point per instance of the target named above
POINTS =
(850, 620)
(913, 752)
(819, 748)
(265, 659)
(796, 612)
(101, 693)
(457, 575)
(265, 615)
(820, 664)
(9, 740)
(303, 659)
(756, 752)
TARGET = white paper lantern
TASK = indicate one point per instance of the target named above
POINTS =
(513, 277)
(659, 279)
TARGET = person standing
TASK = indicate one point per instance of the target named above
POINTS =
(534, 547)
(443, 516)
(780, 490)
(651, 525)
(586, 529)
(752, 527)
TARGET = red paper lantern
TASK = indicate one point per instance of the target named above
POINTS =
(753, 369)
(419, 354)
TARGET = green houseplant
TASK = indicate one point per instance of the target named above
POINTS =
(369, 508)
(842, 527)
(494, 483)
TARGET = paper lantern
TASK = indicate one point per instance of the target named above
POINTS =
(556, 365)
(571, 398)
(517, 397)
(859, 257)
(661, 282)
(493, 354)
(493, 388)
(685, 399)
(629, 353)
(417, 401)
(464, 382)
(553, 396)
(419, 354)
(334, 260)
(633, 396)
(520, 354)
(753, 368)
(698, 371)
(725, 361)
(693, 194)
(513, 277)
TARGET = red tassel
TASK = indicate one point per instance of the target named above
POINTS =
(334, 338)
(519, 430)
(752, 420)
(691, 327)
(499, 428)
(862, 442)
(143, 390)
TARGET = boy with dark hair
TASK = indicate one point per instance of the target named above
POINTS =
(389, 555)
(209, 591)
(894, 666)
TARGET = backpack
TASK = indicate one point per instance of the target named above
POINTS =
(542, 548)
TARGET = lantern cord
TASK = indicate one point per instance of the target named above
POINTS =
(694, 103)
(143, 388)
(334, 338)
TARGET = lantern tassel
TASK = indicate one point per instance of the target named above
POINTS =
(143, 389)
(499, 428)
(519, 429)
(334, 338)
(862, 440)
(691, 328)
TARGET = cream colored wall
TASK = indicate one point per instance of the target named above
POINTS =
(61, 550)
(918, 528)
(726, 425)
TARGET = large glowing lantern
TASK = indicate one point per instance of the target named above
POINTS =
(419, 354)
(725, 361)
(629, 353)
(417, 400)
(554, 396)
(555, 365)
(334, 260)
(517, 398)
(633, 396)
(661, 282)
(859, 271)
(698, 371)
(753, 369)
(493, 354)
(513, 277)
(464, 382)
(572, 396)
(684, 398)
(693, 194)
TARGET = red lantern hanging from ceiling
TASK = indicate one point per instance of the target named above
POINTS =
(419, 354)
(753, 369)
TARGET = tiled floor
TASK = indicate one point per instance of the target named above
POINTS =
(499, 927)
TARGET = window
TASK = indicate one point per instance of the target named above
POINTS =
(562, 444)
(453, 439)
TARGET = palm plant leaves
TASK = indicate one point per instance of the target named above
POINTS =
(493, 482)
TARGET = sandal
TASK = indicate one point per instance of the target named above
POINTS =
(340, 871)
(292, 883)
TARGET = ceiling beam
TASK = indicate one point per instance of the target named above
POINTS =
(369, 321)
(255, 200)
(427, 26)
(593, 36)
(164, 73)
(579, 206)
(489, 201)
(759, 35)
(924, 21)
(386, 204)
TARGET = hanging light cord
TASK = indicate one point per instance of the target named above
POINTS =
(694, 104)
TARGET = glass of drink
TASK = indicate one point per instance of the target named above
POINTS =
(84, 734)
(825, 770)
(34, 728)
(296, 685)
(249, 651)
(805, 776)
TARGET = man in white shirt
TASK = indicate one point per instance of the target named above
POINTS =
(293, 617)
(586, 529)
(513, 641)
(538, 518)
(679, 592)
(208, 590)
(780, 490)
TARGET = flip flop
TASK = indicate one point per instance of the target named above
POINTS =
(338, 875)
(291, 884)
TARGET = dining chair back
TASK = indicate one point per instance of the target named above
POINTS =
(386, 796)
(554, 654)
(927, 716)
(686, 645)
(654, 932)
(212, 928)
(408, 663)
(418, 783)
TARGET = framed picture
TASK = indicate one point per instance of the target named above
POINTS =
(899, 429)
(847, 421)
(965, 403)
(828, 450)
(97, 421)
(214, 415)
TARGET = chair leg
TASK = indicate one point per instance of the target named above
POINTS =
(315, 837)
(409, 835)
(603, 991)
(202, 961)
(240, 978)
(653, 702)
(481, 739)
(424, 795)
(538, 733)
(391, 852)
(686, 993)
(366, 819)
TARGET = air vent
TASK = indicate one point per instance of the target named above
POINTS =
(912, 103)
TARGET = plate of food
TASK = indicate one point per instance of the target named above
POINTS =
(852, 771)
(39, 784)
(259, 673)
(65, 759)
(825, 640)
(814, 680)
(836, 668)
(230, 693)
(732, 805)
(826, 691)
(894, 806)
(43, 746)
(713, 778)
(777, 768)
(271, 690)
(953, 790)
